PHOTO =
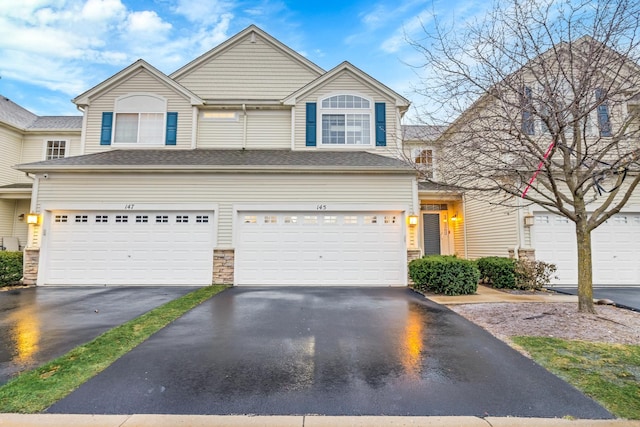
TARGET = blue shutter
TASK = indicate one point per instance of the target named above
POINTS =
(107, 124)
(311, 124)
(381, 124)
(172, 128)
(603, 114)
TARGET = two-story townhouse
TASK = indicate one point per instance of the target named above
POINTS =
(27, 137)
(509, 225)
(249, 165)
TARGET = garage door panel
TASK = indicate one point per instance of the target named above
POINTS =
(122, 248)
(321, 249)
(615, 245)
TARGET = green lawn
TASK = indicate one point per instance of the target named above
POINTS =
(36, 390)
(608, 373)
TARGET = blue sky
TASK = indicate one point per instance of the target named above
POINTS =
(53, 50)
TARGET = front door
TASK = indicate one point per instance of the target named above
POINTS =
(431, 233)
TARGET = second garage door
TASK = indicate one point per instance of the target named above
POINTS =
(311, 248)
(615, 245)
(130, 248)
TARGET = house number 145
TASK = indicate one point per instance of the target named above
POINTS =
(321, 207)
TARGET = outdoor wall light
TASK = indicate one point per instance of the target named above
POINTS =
(413, 220)
(33, 218)
(529, 220)
(454, 217)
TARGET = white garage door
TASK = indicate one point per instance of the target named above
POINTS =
(310, 248)
(130, 248)
(615, 247)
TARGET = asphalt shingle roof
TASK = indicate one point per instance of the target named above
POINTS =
(17, 116)
(224, 159)
(422, 132)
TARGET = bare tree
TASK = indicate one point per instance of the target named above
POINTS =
(546, 98)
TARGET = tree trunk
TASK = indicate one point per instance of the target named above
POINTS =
(585, 269)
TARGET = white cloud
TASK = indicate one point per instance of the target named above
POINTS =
(205, 11)
(147, 22)
(103, 10)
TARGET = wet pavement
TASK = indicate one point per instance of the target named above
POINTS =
(327, 351)
(624, 296)
(39, 324)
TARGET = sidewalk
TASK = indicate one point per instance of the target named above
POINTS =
(486, 294)
(17, 420)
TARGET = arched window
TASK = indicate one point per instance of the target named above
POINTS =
(140, 119)
(346, 120)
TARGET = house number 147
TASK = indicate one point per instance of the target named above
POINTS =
(129, 206)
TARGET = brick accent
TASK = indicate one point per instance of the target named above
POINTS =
(223, 260)
(30, 266)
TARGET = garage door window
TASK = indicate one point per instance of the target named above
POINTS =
(102, 218)
(390, 219)
(182, 219)
(350, 219)
(82, 218)
(310, 219)
(142, 218)
(330, 219)
(290, 219)
(370, 219)
(61, 218)
(122, 218)
(202, 218)
(270, 219)
(162, 218)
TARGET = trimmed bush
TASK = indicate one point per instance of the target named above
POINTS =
(10, 268)
(444, 275)
(497, 271)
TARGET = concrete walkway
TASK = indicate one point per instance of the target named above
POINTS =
(487, 294)
(17, 420)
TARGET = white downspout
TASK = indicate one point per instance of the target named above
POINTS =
(83, 135)
(244, 129)
(194, 127)
(464, 225)
(520, 226)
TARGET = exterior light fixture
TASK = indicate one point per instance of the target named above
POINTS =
(454, 217)
(529, 220)
(413, 220)
(33, 218)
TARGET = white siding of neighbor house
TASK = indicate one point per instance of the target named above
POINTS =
(491, 230)
(266, 129)
(10, 223)
(347, 83)
(10, 146)
(457, 227)
(140, 82)
(226, 190)
(248, 70)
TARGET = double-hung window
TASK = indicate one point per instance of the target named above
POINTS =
(346, 120)
(55, 149)
(528, 122)
(603, 113)
(424, 162)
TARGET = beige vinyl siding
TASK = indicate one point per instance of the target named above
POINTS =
(266, 129)
(141, 82)
(458, 229)
(227, 190)
(491, 230)
(248, 71)
(347, 83)
(10, 147)
(33, 149)
(10, 223)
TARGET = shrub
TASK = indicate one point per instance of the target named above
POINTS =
(10, 268)
(533, 275)
(498, 271)
(444, 275)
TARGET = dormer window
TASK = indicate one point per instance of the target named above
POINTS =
(346, 120)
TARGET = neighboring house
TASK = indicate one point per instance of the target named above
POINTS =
(523, 229)
(26, 137)
(441, 220)
(250, 165)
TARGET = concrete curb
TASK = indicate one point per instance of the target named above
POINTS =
(140, 420)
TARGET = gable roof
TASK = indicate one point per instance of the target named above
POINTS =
(23, 119)
(346, 66)
(15, 115)
(228, 44)
(422, 133)
(120, 76)
(159, 160)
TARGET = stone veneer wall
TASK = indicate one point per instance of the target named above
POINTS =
(223, 260)
(529, 254)
(30, 266)
(411, 255)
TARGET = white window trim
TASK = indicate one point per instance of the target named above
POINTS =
(418, 150)
(344, 111)
(45, 150)
(133, 110)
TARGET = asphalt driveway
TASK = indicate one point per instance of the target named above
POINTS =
(623, 296)
(39, 324)
(329, 351)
